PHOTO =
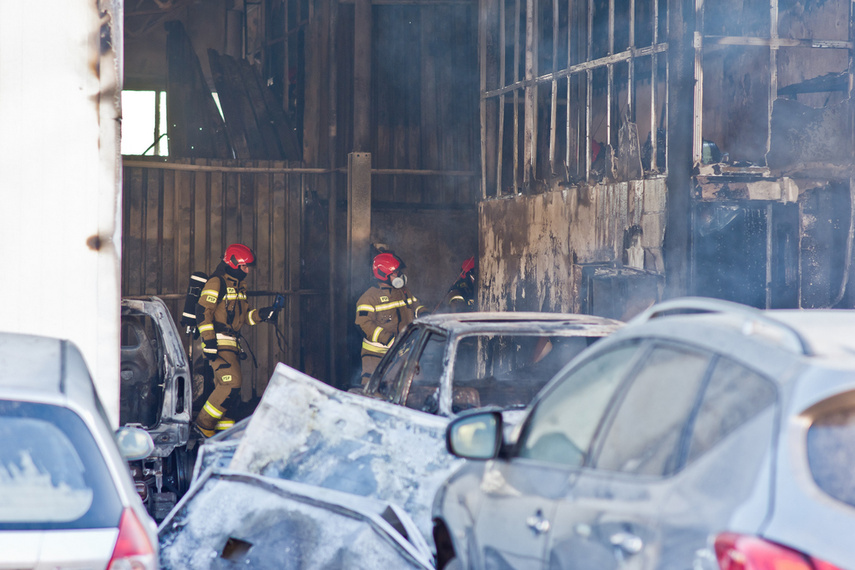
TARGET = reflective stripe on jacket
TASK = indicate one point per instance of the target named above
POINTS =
(381, 312)
(226, 311)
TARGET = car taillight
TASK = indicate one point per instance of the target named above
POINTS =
(740, 552)
(133, 550)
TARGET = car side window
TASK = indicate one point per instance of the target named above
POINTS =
(389, 374)
(562, 424)
(734, 395)
(424, 388)
(646, 430)
(831, 449)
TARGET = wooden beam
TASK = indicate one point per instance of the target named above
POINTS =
(358, 220)
(362, 76)
(530, 132)
(676, 245)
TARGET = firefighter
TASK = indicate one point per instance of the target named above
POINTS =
(226, 309)
(461, 297)
(384, 310)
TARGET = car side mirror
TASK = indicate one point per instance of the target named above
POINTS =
(134, 443)
(476, 435)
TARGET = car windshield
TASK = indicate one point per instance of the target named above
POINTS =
(52, 475)
(507, 370)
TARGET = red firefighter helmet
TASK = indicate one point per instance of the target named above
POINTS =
(238, 254)
(385, 264)
(467, 267)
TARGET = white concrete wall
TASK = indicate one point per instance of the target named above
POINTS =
(60, 177)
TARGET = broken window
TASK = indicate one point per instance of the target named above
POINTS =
(572, 91)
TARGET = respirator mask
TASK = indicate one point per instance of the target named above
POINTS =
(399, 281)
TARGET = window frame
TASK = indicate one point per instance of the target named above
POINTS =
(560, 378)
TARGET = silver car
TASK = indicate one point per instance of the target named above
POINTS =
(704, 435)
(444, 364)
(67, 499)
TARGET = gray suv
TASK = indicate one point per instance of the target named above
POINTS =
(704, 434)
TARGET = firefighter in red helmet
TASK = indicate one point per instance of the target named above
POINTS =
(384, 310)
(461, 296)
(226, 310)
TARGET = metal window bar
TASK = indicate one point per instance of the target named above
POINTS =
(524, 90)
(554, 100)
(610, 70)
(589, 91)
(516, 93)
(530, 116)
(502, 79)
(697, 129)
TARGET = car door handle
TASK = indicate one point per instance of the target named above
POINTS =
(537, 523)
(627, 542)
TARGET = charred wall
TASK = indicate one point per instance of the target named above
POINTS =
(535, 249)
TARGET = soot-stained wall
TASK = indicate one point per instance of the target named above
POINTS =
(533, 248)
(432, 243)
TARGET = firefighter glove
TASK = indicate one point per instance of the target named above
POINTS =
(209, 348)
(267, 314)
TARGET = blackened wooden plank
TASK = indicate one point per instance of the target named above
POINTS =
(236, 106)
(284, 128)
(151, 227)
(171, 221)
(263, 120)
(132, 235)
(293, 238)
(194, 124)
(230, 105)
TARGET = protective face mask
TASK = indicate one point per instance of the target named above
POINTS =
(399, 281)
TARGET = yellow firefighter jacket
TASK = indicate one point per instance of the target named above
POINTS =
(226, 311)
(383, 311)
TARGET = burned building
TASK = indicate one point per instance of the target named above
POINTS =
(594, 155)
(715, 138)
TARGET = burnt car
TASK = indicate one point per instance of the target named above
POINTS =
(705, 434)
(156, 395)
(346, 482)
(444, 364)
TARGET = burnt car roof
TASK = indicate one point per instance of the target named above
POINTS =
(462, 323)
